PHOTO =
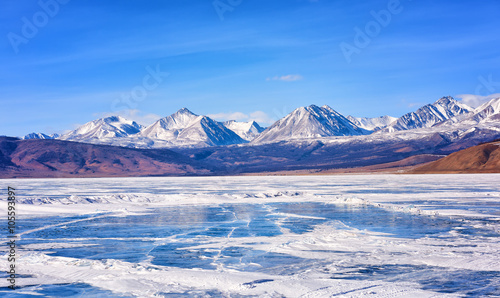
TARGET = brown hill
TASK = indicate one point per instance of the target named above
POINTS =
(56, 158)
(483, 158)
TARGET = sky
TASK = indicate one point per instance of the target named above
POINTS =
(67, 62)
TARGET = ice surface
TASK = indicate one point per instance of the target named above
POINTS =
(358, 235)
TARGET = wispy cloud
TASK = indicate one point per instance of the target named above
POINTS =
(238, 116)
(286, 78)
(258, 116)
(261, 118)
(133, 114)
(411, 104)
(476, 100)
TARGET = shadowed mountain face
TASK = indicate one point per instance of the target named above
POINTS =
(328, 154)
(40, 135)
(307, 144)
(484, 158)
(109, 127)
(309, 123)
(56, 158)
(429, 115)
(186, 128)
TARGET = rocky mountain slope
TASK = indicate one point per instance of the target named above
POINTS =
(40, 136)
(430, 115)
(308, 123)
(58, 159)
(484, 158)
(310, 138)
(185, 128)
(102, 129)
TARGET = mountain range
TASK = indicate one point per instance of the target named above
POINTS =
(312, 139)
(186, 129)
(40, 136)
(429, 115)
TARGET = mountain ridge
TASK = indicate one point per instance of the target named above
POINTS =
(309, 122)
(443, 109)
(373, 124)
(107, 127)
(483, 158)
(50, 158)
(246, 130)
(187, 129)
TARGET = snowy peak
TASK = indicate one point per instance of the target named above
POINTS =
(212, 132)
(184, 111)
(167, 128)
(246, 130)
(376, 123)
(488, 110)
(451, 107)
(429, 115)
(40, 136)
(109, 127)
(310, 122)
(185, 128)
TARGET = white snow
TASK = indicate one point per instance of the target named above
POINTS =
(92, 194)
(41, 136)
(330, 248)
(446, 117)
(309, 123)
(246, 130)
(430, 115)
(102, 129)
(372, 123)
(185, 129)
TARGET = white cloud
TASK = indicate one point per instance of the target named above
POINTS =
(476, 100)
(133, 114)
(414, 104)
(238, 116)
(286, 78)
(411, 104)
(258, 116)
(261, 117)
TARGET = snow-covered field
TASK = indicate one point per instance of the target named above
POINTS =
(302, 236)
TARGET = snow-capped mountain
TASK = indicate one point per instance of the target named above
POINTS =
(446, 117)
(104, 128)
(372, 123)
(488, 111)
(40, 136)
(310, 122)
(185, 128)
(310, 138)
(168, 128)
(246, 130)
(429, 115)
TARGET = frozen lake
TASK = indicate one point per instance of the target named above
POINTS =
(309, 236)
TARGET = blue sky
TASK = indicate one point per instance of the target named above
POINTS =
(64, 63)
